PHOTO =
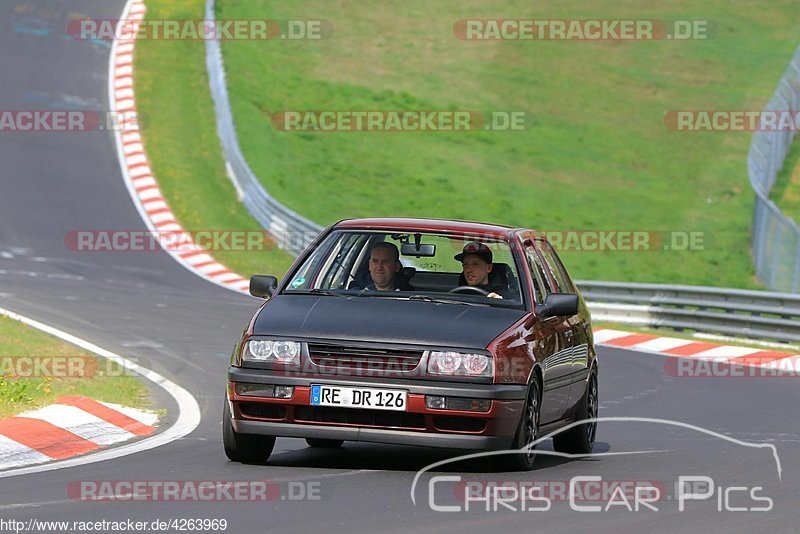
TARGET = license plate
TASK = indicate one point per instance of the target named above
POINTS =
(349, 397)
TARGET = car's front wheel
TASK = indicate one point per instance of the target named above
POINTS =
(527, 433)
(245, 448)
(580, 438)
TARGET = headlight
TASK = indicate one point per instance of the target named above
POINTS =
(259, 350)
(286, 351)
(459, 364)
(265, 350)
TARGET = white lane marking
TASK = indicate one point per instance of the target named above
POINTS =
(606, 334)
(155, 205)
(210, 268)
(136, 159)
(146, 418)
(161, 217)
(144, 181)
(725, 352)
(198, 258)
(13, 454)
(188, 410)
(80, 423)
(661, 344)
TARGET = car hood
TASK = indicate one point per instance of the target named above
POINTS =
(384, 320)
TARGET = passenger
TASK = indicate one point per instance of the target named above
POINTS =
(476, 259)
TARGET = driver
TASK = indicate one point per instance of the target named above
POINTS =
(384, 266)
(476, 259)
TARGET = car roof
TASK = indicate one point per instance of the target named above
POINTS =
(428, 225)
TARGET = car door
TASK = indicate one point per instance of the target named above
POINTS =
(552, 340)
(578, 334)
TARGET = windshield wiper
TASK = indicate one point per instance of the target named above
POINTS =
(315, 291)
(426, 298)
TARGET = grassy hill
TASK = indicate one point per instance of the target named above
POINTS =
(596, 154)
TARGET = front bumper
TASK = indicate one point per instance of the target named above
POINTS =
(418, 425)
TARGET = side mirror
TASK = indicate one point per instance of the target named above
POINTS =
(263, 286)
(558, 305)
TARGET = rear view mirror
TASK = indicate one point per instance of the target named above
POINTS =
(263, 286)
(420, 251)
(558, 305)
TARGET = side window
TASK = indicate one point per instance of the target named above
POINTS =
(339, 266)
(540, 286)
(556, 267)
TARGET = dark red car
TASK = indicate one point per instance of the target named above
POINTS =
(377, 335)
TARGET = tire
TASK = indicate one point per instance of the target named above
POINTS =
(245, 448)
(580, 439)
(324, 443)
(527, 433)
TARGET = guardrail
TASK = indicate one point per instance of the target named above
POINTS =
(292, 231)
(775, 237)
(756, 314)
(735, 312)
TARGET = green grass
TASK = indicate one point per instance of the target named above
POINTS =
(181, 140)
(102, 380)
(786, 192)
(596, 156)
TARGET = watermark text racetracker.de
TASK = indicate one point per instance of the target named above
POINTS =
(176, 241)
(63, 366)
(259, 241)
(430, 120)
(736, 120)
(174, 29)
(69, 120)
(582, 29)
(122, 525)
(193, 490)
(770, 365)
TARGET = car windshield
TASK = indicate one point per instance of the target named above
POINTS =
(411, 265)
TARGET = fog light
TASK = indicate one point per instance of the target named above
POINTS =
(481, 405)
(284, 392)
(436, 403)
(254, 390)
(458, 403)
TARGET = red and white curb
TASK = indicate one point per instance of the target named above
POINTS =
(186, 419)
(138, 175)
(70, 427)
(698, 350)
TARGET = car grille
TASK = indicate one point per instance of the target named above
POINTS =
(260, 410)
(459, 424)
(351, 416)
(364, 359)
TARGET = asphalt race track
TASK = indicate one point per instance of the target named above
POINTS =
(146, 307)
